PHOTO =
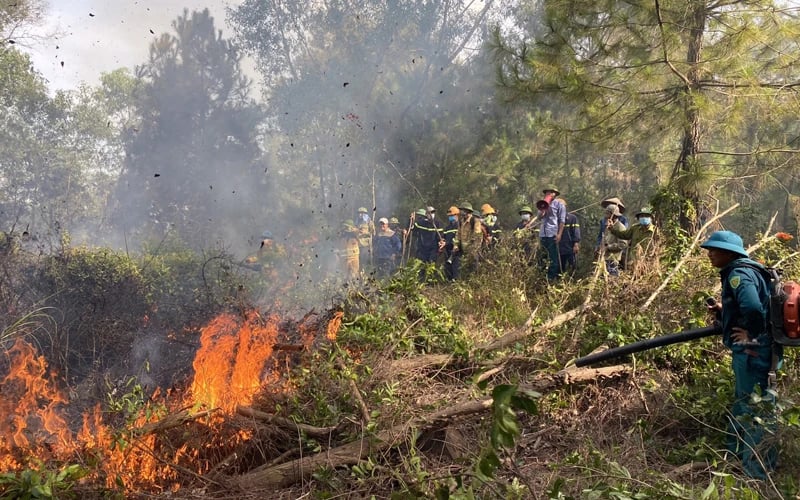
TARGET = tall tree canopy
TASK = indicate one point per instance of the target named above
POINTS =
(53, 153)
(195, 153)
(701, 92)
(364, 90)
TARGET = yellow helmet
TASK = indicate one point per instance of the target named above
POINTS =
(453, 210)
(486, 209)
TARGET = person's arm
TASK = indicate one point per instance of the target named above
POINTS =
(618, 229)
(561, 217)
(752, 312)
(576, 235)
(599, 243)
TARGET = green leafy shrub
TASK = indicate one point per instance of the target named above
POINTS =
(99, 300)
(41, 483)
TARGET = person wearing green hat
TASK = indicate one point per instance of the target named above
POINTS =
(467, 242)
(642, 247)
(755, 356)
(525, 231)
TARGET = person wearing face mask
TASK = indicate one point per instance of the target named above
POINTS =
(526, 232)
(641, 250)
(468, 238)
(426, 232)
(452, 263)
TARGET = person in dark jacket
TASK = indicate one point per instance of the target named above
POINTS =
(426, 233)
(452, 263)
(743, 312)
(570, 242)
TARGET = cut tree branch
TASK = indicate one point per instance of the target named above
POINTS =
(289, 473)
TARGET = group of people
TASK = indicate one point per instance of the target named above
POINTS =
(468, 236)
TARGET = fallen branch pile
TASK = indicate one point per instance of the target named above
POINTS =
(294, 471)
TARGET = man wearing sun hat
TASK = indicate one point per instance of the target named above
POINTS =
(743, 314)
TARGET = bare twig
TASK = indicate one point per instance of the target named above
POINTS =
(356, 393)
(289, 473)
(685, 257)
(285, 423)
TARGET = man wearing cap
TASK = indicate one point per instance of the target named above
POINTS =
(640, 238)
(621, 218)
(426, 235)
(743, 314)
(387, 247)
(553, 218)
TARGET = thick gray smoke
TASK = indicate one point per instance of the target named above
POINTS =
(358, 110)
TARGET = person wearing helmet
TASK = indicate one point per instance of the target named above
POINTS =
(553, 218)
(348, 252)
(755, 356)
(642, 248)
(426, 234)
(468, 238)
(452, 263)
(387, 247)
(366, 230)
(491, 225)
(268, 254)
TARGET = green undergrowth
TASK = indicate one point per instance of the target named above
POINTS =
(411, 347)
(657, 432)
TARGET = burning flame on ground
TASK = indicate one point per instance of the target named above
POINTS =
(229, 367)
(234, 363)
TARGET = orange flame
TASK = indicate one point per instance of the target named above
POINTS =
(31, 408)
(230, 364)
(234, 364)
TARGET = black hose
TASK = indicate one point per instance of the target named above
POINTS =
(644, 345)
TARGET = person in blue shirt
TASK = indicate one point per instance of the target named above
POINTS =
(553, 217)
(743, 313)
(387, 247)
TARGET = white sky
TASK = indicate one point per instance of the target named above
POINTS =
(116, 34)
